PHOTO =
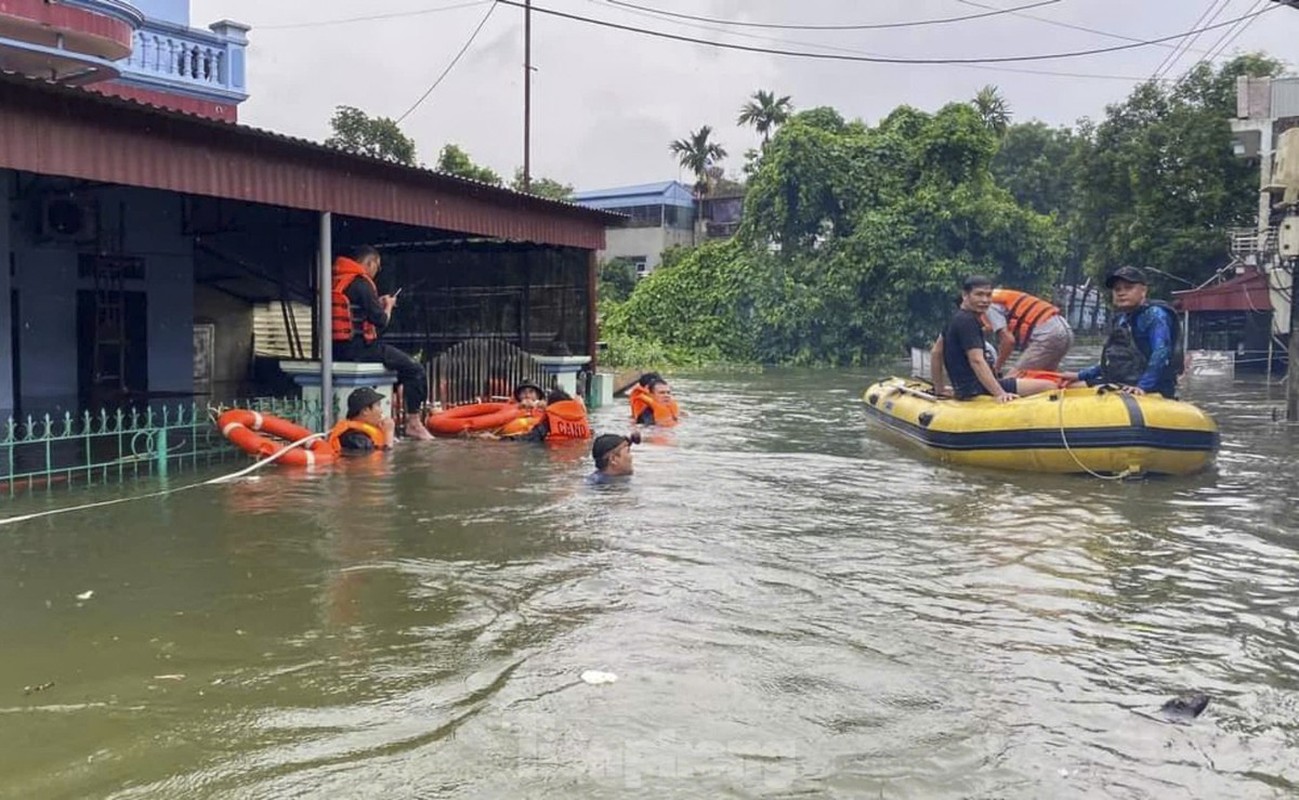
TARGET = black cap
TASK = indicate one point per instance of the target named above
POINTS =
(1125, 273)
(518, 390)
(361, 399)
(606, 443)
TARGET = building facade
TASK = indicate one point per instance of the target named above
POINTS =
(660, 216)
(142, 50)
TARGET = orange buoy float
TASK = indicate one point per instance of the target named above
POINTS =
(472, 418)
(244, 428)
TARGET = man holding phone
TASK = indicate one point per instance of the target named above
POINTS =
(360, 314)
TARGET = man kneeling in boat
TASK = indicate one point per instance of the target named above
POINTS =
(963, 354)
(1020, 320)
(366, 429)
(1143, 351)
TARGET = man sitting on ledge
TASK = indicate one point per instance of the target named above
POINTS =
(359, 315)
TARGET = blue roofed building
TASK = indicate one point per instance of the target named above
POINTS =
(662, 215)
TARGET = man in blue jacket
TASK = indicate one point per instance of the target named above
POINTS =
(1142, 353)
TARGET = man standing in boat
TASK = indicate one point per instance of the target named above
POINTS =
(359, 315)
(962, 353)
(1143, 351)
(1018, 319)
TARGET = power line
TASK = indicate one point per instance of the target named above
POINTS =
(855, 27)
(875, 59)
(759, 37)
(375, 17)
(1216, 51)
(1171, 58)
(453, 63)
(1074, 27)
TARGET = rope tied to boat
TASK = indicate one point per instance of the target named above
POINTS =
(1059, 396)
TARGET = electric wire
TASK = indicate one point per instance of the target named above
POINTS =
(875, 59)
(1171, 58)
(1074, 26)
(832, 27)
(372, 18)
(852, 51)
(453, 63)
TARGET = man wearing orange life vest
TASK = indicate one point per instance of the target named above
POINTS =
(359, 315)
(1020, 320)
(366, 429)
(652, 402)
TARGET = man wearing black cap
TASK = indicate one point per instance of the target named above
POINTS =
(1142, 351)
(612, 454)
(366, 429)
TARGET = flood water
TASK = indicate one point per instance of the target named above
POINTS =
(792, 604)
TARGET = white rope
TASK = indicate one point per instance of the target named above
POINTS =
(1065, 438)
(223, 479)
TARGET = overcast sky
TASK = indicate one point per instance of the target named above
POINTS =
(606, 102)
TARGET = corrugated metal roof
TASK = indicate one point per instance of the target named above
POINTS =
(668, 192)
(58, 130)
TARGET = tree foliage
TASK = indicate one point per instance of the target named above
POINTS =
(698, 153)
(1158, 182)
(542, 187)
(378, 137)
(993, 109)
(455, 161)
(617, 280)
(853, 242)
(765, 112)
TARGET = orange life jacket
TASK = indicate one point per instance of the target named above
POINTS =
(345, 426)
(346, 319)
(665, 414)
(1024, 312)
(566, 419)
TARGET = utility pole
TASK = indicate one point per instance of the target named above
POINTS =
(527, 95)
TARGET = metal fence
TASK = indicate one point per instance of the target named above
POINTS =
(95, 449)
(481, 369)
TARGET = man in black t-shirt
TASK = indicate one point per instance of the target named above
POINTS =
(963, 355)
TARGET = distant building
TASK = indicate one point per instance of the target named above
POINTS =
(141, 50)
(662, 215)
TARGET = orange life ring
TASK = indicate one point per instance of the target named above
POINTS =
(241, 426)
(472, 418)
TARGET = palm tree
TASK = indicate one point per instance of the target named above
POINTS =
(696, 153)
(765, 112)
(993, 108)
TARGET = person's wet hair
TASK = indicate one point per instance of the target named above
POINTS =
(976, 282)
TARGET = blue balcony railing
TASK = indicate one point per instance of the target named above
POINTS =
(194, 61)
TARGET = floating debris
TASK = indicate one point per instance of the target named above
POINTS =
(169, 677)
(596, 678)
(1186, 707)
(40, 687)
(86, 595)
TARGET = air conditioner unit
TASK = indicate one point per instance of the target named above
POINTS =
(67, 217)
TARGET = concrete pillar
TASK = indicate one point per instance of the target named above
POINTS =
(325, 319)
(6, 309)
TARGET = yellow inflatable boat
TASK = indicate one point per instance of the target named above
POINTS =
(1099, 430)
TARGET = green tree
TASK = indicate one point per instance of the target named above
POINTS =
(1158, 182)
(993, 108)
(853, 243)
(697, 153)
(378, 137)
(765, 113)
(455, 161)
(617, 280)
(542, 187)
